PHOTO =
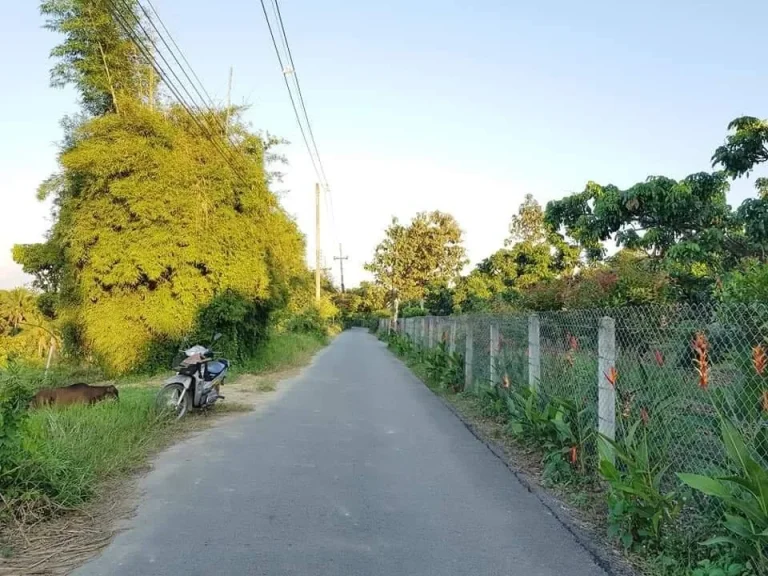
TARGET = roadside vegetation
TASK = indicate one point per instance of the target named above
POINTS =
(55, 459)
(165, 230)
(668, 521)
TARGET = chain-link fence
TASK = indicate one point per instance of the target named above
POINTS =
(669, 367)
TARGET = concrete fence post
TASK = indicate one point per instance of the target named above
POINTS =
(423, 332)
(430, 332)
(534, 351)
(494, 352)
(468, 353)
(452, 336)
(606, 378)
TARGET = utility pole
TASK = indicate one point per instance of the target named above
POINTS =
(341, 259)
(317, 241)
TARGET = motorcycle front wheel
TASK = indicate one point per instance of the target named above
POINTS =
(173, 401)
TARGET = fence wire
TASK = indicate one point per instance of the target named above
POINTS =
(669, 367)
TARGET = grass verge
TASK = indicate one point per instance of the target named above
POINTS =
(55, 459)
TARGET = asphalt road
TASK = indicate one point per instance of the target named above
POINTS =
(354, 469)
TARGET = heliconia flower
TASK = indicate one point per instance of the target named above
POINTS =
(700, 347)
(574, 455)
(611, 376)
(764, 400)
(659, 357)
(644, 416)
(573, 344)
(759, 359)
(505, 381)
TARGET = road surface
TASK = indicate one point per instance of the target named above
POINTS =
(354, 469)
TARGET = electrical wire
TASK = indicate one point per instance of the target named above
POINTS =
(320, 173)
(163, 75)
(290, 93)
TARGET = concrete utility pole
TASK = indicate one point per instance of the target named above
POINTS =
(317, 241)
(341, 259)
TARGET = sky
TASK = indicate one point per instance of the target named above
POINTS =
(462, 107)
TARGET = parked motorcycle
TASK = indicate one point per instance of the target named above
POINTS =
(195, 386)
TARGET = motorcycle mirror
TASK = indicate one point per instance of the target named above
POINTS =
(216, 336)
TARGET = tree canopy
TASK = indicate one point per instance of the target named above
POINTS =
(411, 258)
(158, 231)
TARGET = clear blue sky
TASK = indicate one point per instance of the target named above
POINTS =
(434, 105)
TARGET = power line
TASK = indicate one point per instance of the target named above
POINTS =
(290, 93)
(130, 31)
(290, 69)
(298, 88)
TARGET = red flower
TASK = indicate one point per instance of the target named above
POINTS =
(759, 359)
(700, 347)
(574, 455)
(573, 344)
(659, 357)
(611, 376)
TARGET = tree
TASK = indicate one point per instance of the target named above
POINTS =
(155, 224)
(533, 253)
(684, 225)
(96, 55)
(746, 147)
(411, 258)
(528, 224)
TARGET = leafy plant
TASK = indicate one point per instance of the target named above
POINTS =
(722, 567)
(638, 509)
(444, 368)
(745, 497)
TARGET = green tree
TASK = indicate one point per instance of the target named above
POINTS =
(155, 223)
(533, 253)
(686, 225)
(744, 149)
(96, 56)
(428, 251)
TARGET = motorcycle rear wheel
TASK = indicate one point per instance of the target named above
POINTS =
(173, 401)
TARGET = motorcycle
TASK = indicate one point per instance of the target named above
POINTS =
(195, 386)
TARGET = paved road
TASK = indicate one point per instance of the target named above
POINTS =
(355, 469)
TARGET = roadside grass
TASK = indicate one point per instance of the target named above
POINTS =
(282, 350)
(57, 457)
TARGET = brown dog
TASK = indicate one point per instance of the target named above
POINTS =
(74, 394)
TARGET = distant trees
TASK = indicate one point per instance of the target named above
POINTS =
(533, 253)
(427, 252)
(678, 240)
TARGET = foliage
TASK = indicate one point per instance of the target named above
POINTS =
(683, 224)
(411, 258)
(639, 509)
(744, 148)
(745, 496)
(26, 334)
(533, 253)
(444, 368)
(556, 425)
(14, 397)
(141, 260)
(96, 55)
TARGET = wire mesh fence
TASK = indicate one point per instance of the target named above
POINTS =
(669, 367)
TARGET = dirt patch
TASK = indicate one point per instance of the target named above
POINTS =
(58, 545)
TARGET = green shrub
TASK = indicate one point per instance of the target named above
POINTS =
(745, 497)
(638, 509)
